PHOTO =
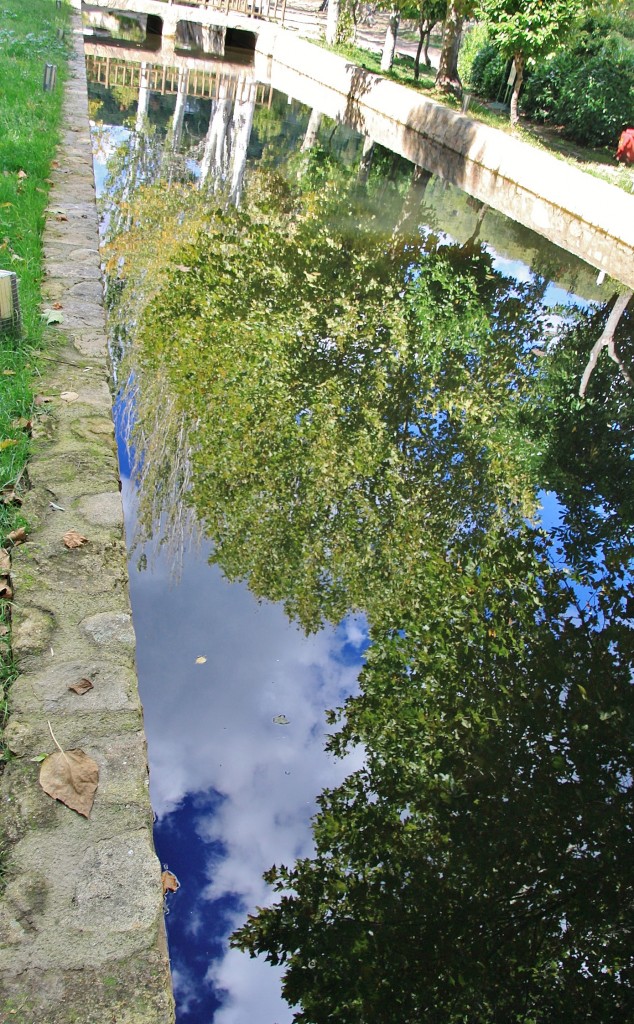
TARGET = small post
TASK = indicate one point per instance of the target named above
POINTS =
(466, 100)
(50, 77)
(10, 317)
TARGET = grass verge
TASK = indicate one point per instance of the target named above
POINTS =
(31, 36)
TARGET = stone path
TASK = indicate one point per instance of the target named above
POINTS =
(81, 918)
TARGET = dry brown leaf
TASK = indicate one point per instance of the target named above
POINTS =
(5, 562)
(72, 539)
(43, 399)
(8, 443)
(71, 777)
(69, 396)
(4, 630)
(83, 686)
(17, 536)
(201, 660)
(57, 305)
(22, 174)
(9, 497)
(6, 590)
(169, 882)
(61, 216)
(23, 424)
(8, 373)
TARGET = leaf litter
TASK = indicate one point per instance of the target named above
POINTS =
(71, 777)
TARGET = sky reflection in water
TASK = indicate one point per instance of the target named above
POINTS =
(232, 790)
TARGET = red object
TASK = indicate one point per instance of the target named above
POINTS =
(625, 149)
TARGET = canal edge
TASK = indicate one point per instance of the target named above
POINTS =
(82, 934)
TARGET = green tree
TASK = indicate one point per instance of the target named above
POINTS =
(524, 29)
(430, 12)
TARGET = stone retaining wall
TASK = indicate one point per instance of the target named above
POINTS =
(81, 916)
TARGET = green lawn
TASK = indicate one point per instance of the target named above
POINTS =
(30, 37)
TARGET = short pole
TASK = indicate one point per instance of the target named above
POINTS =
(50, 77)
(10, 316)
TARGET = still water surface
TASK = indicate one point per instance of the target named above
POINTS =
(235, 693)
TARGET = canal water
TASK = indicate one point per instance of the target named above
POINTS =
(357, 468)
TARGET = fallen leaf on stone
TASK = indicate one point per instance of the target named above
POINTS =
(52, 317)
(6, 592)
(17, 536)
(281, 720)
(72, 539)
(71, 777)
(201, 660)
(69, 396)
(5, 562)
(83, 686)
(57, 305)
(169, 882)
(61, 216)
(42, 399)
(8, 443)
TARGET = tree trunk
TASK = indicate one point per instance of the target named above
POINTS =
(419, 48)
(390, 39)
(427, 39)
(332, 22)
(447, 78)
(517, 85)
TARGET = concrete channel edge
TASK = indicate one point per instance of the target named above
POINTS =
(82, 935)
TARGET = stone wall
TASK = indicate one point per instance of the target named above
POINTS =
(81, 914)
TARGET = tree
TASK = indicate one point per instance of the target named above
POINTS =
(524, 29)
(429, 13)
(447, 77)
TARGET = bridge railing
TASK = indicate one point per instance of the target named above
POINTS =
(166, 80)
(269, 10)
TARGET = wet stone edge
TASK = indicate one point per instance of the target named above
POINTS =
(82, 932)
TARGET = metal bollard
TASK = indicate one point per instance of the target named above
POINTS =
(50, 77)
(10, 317)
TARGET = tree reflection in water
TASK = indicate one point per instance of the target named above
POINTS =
(365, 419)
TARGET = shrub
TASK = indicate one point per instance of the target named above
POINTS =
(488, 72)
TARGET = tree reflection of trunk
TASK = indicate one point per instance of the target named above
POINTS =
(312, 130)
(216, 153)
(179, 109)
(144, 97)
(242, 124)
(415, 194)
(366, 161)
(606, 340)
(475, 234)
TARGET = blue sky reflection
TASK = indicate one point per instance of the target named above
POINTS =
(233, 790)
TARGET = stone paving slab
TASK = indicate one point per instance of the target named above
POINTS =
(82, 934)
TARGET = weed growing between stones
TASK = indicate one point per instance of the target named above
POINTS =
(31, 35)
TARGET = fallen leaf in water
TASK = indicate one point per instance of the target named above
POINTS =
(8, 443)
(71, 777)
(72, 539)
(17, 536)
(69, 396)
(5, 562)
(201, 660)
(169, 882)
(281, 720)
(83, 686)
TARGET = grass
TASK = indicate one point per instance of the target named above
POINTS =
(29, 133)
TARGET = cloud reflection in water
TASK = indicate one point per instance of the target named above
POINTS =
(232, 790)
